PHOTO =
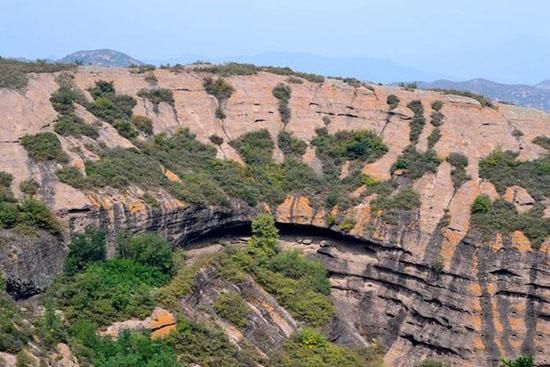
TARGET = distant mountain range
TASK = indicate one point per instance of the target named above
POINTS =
(103, 57)
(536, 96)
(370, 69)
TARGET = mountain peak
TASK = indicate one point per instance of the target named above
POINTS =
(102, 57)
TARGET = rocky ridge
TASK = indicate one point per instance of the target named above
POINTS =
(487, 300)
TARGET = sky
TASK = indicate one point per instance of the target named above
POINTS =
(502, 40)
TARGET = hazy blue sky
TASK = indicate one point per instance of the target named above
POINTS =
(505, 40)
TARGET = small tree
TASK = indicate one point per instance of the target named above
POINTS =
(147, 249)
(521, 361)
(84, 249)
(264, 234)
(482, 204)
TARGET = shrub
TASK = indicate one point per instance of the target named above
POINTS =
(437, 118)
(216, 140)
(108, 105)
(392, 101)
(51, 328)
(156, 96)
(502, 217)
(521, 361)
(14, 335)
(294, 80)
(147, 249)
(389, 207)
(347, 224)
(85, 249)
(437, 105)
(23, 359)
(72, 125)
(232, 307)
(264, 233)
(543, 141)
(143, 124)
(126, 129)
(459, 162)
(36, 214)
(310, 348)
(219, 88)
(13, 73)
(282, 93)
(416, 164)
(44, 147)
(434, 138)
(314, 78)
(504, 170)
(481, 204)
(418, 121)
(431, 363)
(256, 148)
(5, 179)
(140, 69)
(290, 145)
(108, 291)
(62, 99)
(481, 99)
(29, 187)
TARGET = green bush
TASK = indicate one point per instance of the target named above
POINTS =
(140, 69)
(14, 335)
(431, 363)
(13, 73)
(219, 88)
(290, 145)
(35, 214)
(392, 101)
(310, 348)
(62, 99)
(481, 99)
(521, 361)
(51, 327)
(437, 105)
(389, 207)
(434, 138)
(216, 140)
(147, 249)
(72, 176)
(108, 291)
(459, 162)
(504, 170)
(282, 93)
(543, 141)
(72, 125)
(29, 187)
(143, 124)
(108, 105)
(156, 96)
(44, 147)
(418, 121)
(85, 249)
(126, 129)
(256, 148)
(437, 118)
(502, 217)
(5, 179)
(416, 164)
(232, 307)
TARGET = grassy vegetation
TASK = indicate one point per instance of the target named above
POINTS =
(143, 124)
(437, 105)
(290, 145)
(437, 118)
(140, 69)
(156, 96)
(282, 93)
(232, 307)
(44, 147)
(521, 361)
(13, 73)
(418, 121)
(459, 162)
(481, 99)
(256, 148)
(84, 249)
(72, 125)
(14, 334)
(415, 164)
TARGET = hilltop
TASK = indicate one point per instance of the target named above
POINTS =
(102, 57)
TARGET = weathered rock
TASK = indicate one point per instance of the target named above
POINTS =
(161, 323)
(520, 198)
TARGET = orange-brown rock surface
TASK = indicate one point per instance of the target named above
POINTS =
(488, 300)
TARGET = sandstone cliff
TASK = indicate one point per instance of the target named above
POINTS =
(487, 299)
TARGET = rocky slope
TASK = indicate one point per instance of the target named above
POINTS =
(488, 299)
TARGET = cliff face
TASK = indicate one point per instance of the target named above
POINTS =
(486, 299)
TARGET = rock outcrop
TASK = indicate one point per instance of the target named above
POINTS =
(421, 288)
